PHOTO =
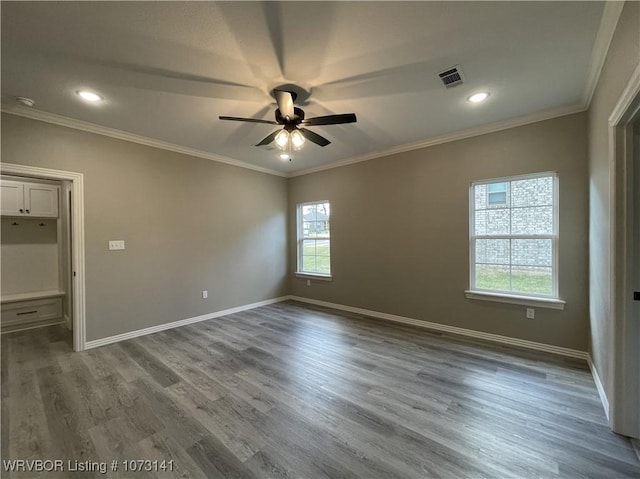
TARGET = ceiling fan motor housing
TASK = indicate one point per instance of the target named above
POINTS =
(291, 123)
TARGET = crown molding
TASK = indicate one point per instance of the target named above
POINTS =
(608, 24)
(123, 135)
(460, 135)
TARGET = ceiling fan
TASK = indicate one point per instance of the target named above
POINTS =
(292, 119)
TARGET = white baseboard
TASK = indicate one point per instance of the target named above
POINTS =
(636, 446)
(496, 338)
(176, 324)
(599, 386)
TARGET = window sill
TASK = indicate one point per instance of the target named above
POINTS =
(514, 299)
(321, 277)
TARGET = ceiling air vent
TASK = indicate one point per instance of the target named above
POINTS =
(451, 76)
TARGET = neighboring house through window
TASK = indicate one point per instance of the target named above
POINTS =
(314, 238)
(514, 236)
(497, 193)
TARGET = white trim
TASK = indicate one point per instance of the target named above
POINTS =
(635, 443)
(123, 135)
(77, 233)
(549, 303)
(447, 138)
(599, 386)
(34, 326)
(625, 392)
(183, 322)
(608, 24)
(12, 298)
(495, 338)
(319, 277)
(626, 99)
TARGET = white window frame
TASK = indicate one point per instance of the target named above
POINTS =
(530, 299)
(300, 241)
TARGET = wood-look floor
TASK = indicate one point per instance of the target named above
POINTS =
(292, 391)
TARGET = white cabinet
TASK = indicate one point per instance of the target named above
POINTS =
(29, 310)
(28, 199)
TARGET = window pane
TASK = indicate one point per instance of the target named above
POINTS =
(309, 264)
(320, 228)
(323, 247)
(490, 251)
(307, 228)
(308, 247)
(309, 212)
(480, 197)
(537, 220)
(531, 280)
(311, 229)
(494, 187)
(531, 252)
(492, 222)
(492, 277)
(323, 264)
(498, 198)
(532, 192)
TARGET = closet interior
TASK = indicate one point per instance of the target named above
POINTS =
(35, 249)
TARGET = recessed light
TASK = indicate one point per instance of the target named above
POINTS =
(478, 97)
(284, 156)
(25, 101)
(89, 96)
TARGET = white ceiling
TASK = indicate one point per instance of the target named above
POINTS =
(168, 69)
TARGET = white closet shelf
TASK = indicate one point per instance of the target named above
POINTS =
(12, 298)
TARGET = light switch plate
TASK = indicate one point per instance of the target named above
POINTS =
(116, 244)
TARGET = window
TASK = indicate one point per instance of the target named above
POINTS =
(314, 238)
(514, 236)
(497, 194)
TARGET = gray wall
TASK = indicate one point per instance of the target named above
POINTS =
(400, 230)
(189, 224)
(622, 59)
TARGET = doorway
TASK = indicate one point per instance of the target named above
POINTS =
(73, 201)
(635, 305)
(624, 122)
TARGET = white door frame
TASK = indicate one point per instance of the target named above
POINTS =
(77, 236)
(624, 413)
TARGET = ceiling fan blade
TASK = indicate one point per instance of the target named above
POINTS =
(314, 137)
(250, 120)
(269, 138)
(331, 119)
(285, 102)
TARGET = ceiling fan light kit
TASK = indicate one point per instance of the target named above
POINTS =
(282, 139)
(292, 119)
(297, 140)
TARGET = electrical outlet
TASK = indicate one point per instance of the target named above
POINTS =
(531, 313)
(308, 282)
(205, 294)
(116, 244)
